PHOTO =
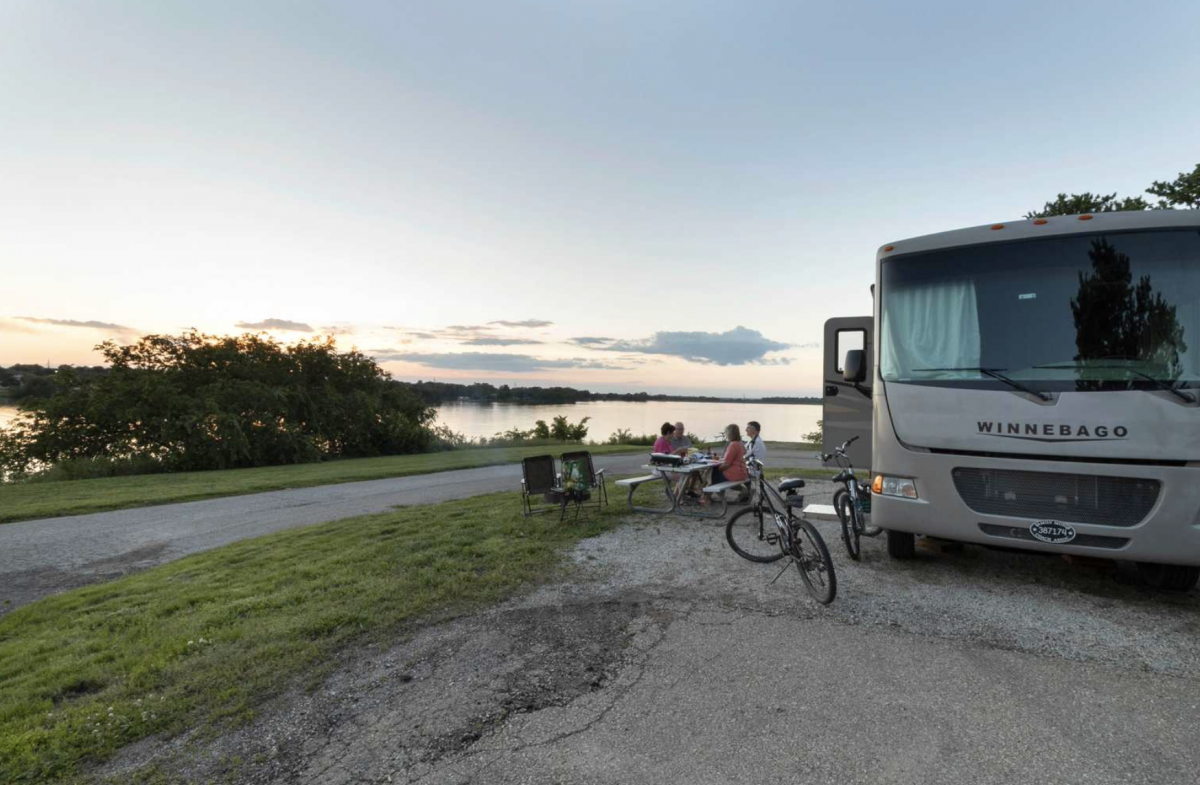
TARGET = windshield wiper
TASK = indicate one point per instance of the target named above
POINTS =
(995, 374)
(1159, 383)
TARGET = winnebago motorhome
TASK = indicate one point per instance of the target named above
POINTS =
(1033, 384)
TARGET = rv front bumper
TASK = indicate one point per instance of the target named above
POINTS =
(1118, 511)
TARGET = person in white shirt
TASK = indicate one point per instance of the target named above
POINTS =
(755, 447)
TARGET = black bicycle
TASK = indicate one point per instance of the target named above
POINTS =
(770, 530)
(852, 502)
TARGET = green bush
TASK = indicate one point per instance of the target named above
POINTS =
(625, 436)
(195, 402)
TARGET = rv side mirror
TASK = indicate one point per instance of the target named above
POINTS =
(853, 370)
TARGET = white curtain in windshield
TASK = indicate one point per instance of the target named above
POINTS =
(929, 325)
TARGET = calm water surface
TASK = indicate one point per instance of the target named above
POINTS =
(780, 422)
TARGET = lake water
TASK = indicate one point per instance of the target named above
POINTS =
(780, 421)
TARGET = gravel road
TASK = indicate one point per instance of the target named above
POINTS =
(663, 658)
(43, 557)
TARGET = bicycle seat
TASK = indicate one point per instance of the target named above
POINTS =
(841, 477)
(790, 485)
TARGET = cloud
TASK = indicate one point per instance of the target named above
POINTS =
(336, 330)
(530, 323)
(91, 325)
(275, 324)
(739, 346)
(454, 329)
(488, 340)
(15, 326)
(590, 341)
(476, 334)
(486, 361)
(423, 335)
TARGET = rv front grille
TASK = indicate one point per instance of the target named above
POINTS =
(1072, 498)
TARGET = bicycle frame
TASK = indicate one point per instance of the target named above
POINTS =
(768, 494)
(851, 482)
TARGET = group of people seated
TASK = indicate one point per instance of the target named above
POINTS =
(731, 467)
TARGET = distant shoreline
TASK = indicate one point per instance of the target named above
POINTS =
(651, 399)
(439, 393)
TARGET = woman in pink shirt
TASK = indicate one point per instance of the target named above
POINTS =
(663, 444)
(732, 467)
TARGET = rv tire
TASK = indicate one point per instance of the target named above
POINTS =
(1172, 577)
(901, 545)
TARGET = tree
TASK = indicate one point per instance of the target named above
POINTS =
(196, 401)
(1078, 204)
(35, 387)
(1183, 191)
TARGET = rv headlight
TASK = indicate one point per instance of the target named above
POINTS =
(894, 486)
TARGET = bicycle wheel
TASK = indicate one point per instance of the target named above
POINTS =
(850, 526)
(813, 561)
(752, 535)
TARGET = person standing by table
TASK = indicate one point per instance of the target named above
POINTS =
(732, 466)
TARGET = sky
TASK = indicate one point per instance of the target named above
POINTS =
(662, 196)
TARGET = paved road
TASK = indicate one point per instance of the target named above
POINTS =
(42, 557)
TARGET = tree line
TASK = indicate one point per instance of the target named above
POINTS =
(436, 393)
(1182, 192)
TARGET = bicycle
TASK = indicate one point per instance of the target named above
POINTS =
(851, 502)
(763, 532)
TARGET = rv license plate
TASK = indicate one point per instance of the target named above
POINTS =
(1052, 532)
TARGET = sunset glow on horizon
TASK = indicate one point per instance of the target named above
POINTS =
(609, 196)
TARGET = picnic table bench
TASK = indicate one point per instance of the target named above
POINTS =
(675, 495)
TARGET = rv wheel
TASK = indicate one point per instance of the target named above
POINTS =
(1173, 577)
(901, 545)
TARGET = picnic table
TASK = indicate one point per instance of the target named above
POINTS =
(675, 490)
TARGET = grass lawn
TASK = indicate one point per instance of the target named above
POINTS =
(25, 501)
(201, 642)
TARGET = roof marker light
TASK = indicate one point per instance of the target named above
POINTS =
(997, 226)
(1085, 217)
(889, 248)
(1040, 222)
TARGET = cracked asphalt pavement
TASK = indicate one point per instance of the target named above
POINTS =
(43, 557)
(664, 658)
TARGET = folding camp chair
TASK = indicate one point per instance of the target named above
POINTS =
(595, 479)
(539, 479)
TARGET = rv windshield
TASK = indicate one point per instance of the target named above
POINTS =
(1095, 312)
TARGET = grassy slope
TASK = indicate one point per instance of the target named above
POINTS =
(86, 672)
(25, 501)
(201, 642)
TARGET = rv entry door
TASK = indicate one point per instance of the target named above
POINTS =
(846, 405)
